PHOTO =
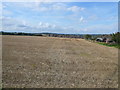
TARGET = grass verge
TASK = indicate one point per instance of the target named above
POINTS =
(110, 45)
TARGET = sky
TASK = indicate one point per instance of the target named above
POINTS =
(60, 17)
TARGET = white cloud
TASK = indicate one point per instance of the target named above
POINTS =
(46, 25)
(49, 6)
(46, 6)
(75, 9)
(59, 6)
(81, 19)
(12, 24)
(41, 8)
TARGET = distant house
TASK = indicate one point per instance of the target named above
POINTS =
(105, 39)
(45, 35)
(109, 40)
(99, 39)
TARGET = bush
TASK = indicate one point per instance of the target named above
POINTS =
(116, 37)
(87, 36)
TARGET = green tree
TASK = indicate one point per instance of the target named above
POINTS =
(88, 36)
(116, 37)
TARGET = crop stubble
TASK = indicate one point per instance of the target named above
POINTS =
(48, 62)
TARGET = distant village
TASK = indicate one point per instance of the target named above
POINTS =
(106, 38)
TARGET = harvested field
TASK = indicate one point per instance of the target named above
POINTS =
(48, 62)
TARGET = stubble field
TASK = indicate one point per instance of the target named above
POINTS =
(48, 62)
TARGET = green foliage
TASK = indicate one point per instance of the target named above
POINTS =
(110, 45)
(87, 36)
(116, 37)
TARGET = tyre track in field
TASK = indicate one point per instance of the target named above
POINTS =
(58, 59)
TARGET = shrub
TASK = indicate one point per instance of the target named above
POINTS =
(116, 37)
(87, 36)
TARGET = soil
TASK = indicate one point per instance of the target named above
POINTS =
(52, 62)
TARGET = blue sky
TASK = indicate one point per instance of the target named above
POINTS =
(60, 17)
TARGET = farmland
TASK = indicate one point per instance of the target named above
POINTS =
(53, 62)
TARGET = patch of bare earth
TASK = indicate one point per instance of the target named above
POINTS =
(32, 61)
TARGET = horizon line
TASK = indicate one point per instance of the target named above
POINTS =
(53, 32)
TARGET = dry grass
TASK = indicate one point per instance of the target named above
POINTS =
(31, 61)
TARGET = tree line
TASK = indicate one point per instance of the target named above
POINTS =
(115, 36)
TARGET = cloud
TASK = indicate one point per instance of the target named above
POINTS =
(58, 17)
(81, 19)
(15, 25)
(46, 25)
(75, 9)
(46, 6)
(57, 6)
(12, 24)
